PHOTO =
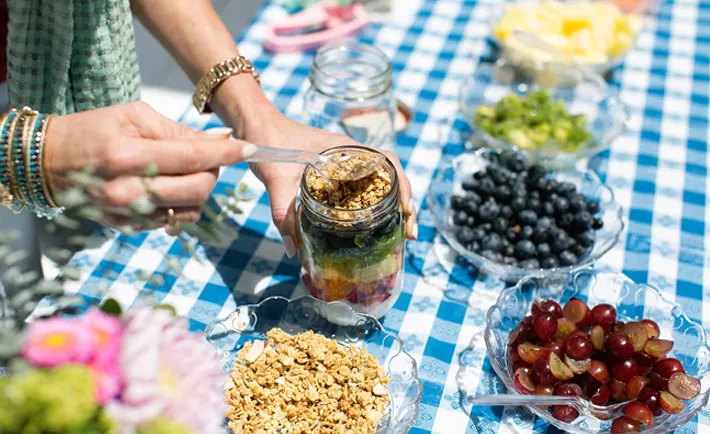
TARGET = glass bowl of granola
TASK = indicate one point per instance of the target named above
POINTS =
(293, 364)
(353, 236)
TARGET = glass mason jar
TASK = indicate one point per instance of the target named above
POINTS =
(351, 93)
(354, 256)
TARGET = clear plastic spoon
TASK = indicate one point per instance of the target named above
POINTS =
(506, 399)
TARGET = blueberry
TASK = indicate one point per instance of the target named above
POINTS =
(500, 225)
(534, 204)
(470, 221)
(465, 235)
(565, 221)
(485, 187)
(543, 186)
(597, 224)
(540, 235)
(548, 209)
(560, 244)
(498, 175)
(592, 207)
(503, 193)
(479, 175)
(578, 250)
(518, 204)
(561, 205)
(474, 246)
(566, 189)
(509, 260)
(583, 221)
(550, 262)
(530, 264)
(460, 218)
(544, 223)
(509, 250)
(487, 227)
(527, 217)
(524, 249)
(516, 162)
(471, 208)
(506, 211)
(457, 203)
(472, 196)
(526, 232)
(535, 172)
(492, 242)
(534, 195)
(489, 211)
(543, 250)
(585, 239)
(478, 233)
(511, 235)
(568, 258)
(577, 203)
(469, 184)
(491, 256)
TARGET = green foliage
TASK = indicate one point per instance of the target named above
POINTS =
(60, 400)
(111, 307)
(162, 426)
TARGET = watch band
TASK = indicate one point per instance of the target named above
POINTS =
(216, 76)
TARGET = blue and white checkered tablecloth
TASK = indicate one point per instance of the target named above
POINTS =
(658, 170)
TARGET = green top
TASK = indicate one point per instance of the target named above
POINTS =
(68, 56)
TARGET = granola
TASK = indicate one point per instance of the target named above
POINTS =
(350, 195)
(305, 383)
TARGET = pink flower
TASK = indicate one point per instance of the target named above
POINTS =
(107, 332)
(57, 341)
(107, 385)
(168, 373)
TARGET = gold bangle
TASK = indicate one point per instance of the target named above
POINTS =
(216, 76)
(10, 159)
(5, 195)
(40, 162)
(26, 153)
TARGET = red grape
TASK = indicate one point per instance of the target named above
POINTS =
(618, 390)
(618, 326)
(544, 390)
(670, 404)
(565, 413)
(635, 385)
(623, 371)
(545, 326)
(683, 386)
(523, 381)
(531, 353)
(667, 367)
(527, 321)
(645, 359)
(651, 398)
(568, 389)
(547, 306)
(620, 345)
(565, 328)
(576, 311)
(597, 338)
(579, 347)
(657, 381)
(540, 373)
(652, 328)
(639, 412)
(599, 371)
(579, 367)
(558, 368)
(624, 425)
(658, 347)
(520, 334)
(556, 346)
(637, 334)
(602, 395)
(604, 315)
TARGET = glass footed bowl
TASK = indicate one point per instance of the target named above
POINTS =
(605, 114)
(448, 182)
(633, 302)
(251, 322)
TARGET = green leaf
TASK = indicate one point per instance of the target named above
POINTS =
(70, 272)
(167, 307)
(111, 307)
(73, 198)
(12, 342)
(143, 206)
(152, 171)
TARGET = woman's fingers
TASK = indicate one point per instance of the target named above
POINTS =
(405, 193)
(164, 191)
(159, 218)
(133, 156)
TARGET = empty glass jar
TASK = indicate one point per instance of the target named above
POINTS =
(351, 93)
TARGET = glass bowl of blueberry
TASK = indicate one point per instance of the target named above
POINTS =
(513, 219)
(555, 123)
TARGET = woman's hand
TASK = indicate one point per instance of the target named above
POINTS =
(121, 143)
(282, 180)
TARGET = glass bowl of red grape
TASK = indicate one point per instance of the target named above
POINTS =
(634, 361)
(514, 219)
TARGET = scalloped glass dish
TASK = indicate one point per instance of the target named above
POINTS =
(633, 302)
(251, 322)
(448, 181)
(605, 114)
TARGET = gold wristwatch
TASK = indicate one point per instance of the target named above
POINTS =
(216, 76)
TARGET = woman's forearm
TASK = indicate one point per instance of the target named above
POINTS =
(197, 38)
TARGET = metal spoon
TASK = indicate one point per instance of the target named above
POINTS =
(536, 42)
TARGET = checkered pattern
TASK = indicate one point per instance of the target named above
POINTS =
(658, 170)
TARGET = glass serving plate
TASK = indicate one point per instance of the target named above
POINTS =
(606, 115)
(251, 322)
(633, 302)
(448, 182)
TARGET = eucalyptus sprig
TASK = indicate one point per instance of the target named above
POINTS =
(217, 227)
